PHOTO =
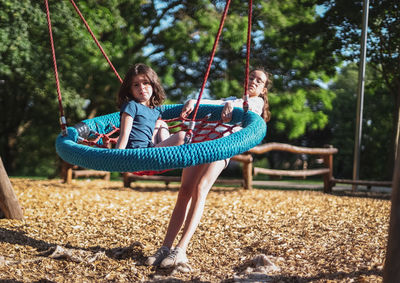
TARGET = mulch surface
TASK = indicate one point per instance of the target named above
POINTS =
(98, 231)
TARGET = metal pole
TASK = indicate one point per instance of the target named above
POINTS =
(360, 94)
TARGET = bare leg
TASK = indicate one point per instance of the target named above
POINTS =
(178, 214)
(175, 139)
(195, 185)
(209, 175)
(161, 132)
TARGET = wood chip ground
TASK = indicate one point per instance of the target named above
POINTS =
(98, 231)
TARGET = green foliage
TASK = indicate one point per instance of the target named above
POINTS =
(326, 40)
(28, 94)
(306, 111)
(382, 92)
(376, 157)
(175, 37)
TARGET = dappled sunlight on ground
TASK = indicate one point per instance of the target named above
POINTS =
(98, 231)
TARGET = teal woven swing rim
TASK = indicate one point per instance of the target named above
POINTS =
(162, 158)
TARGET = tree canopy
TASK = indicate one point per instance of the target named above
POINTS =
(383, 57)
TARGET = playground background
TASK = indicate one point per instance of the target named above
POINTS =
(92, 230)
(312, 48)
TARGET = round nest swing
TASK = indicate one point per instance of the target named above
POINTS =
(72, 143)
(161, 158)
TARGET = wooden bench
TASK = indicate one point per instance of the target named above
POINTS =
(246, 159)
(128, 178)
(248, 172)
(326, 154)
(69, 172)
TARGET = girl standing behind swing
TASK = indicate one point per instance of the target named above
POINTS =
(140, 94)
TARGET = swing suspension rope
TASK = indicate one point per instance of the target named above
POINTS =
(248, 43)
(189, 134)
(198, 130)
(95, 40)
(63, 122)
(192, 123)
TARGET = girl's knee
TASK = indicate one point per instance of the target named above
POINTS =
(161, 124)
(200, 190)
(185, 191)
(161, 132)
(181, 136)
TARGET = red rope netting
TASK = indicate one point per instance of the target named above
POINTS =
(203, 131)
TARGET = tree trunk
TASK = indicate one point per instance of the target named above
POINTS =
(397, 138)
(8, 201)
(392, 265)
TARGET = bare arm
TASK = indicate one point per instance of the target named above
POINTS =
(124, 131)
(255, 104)
(190, 104)
(226, 114)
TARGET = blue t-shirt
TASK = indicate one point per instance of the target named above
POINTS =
(144, 121)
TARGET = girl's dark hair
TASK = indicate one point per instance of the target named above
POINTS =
(266, 114)
(125, 93)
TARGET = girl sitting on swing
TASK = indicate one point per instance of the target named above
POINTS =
(197, 181)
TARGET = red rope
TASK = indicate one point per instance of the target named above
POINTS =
(189, 133)
(95, 39)
(246, 80)
(212, 57)
(63, 122)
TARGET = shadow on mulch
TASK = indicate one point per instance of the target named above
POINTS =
(328, 276)
(175, 280)
(166, 275)
(134, 251)
(19, 238)
(16, 281)
(363, 194)
(346, 193)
